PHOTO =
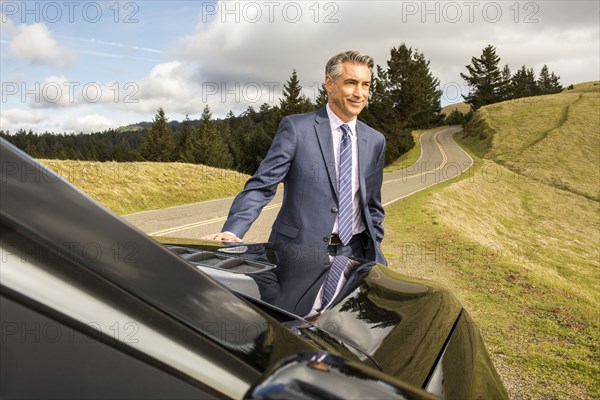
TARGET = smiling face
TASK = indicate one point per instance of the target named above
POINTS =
(349, 92)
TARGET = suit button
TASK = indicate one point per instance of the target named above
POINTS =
(334, 210)
(326, 239)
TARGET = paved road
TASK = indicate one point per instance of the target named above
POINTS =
(441, 159)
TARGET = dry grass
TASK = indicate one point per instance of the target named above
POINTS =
(138, 186)
(553, 139)
(523, 258)
(462, 107)
(584, 87)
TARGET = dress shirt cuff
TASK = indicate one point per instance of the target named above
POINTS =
(232, 234)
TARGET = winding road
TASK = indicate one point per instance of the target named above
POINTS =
(441, 159)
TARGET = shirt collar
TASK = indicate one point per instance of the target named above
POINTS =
(335, 122)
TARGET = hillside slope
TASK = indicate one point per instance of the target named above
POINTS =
(129, 187)
(517, 238)
(554, 139)
(462, 107)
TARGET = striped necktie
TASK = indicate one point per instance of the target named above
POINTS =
(333, 277)
(345, 187)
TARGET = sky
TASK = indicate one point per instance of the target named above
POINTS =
(86, 66)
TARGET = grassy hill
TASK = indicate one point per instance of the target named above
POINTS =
(462, 107)
(138, 186)
(552, 139)
(585, 87)
(517, 238)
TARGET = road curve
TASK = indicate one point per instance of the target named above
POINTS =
(441, 159)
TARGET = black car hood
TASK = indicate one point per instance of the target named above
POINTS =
(401, 323)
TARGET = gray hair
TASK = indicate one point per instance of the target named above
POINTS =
(334, 65)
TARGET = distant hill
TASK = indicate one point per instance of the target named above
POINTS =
(461, 107)
(585, 87)
(553, 139)
(140, 126)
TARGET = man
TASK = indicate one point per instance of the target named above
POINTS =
(331, 165)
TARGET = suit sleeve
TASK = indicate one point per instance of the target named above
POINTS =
(261, 187)
(375, 206)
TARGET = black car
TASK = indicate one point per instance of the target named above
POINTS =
(93, 308)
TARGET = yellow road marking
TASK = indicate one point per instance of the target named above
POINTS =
(201, 223)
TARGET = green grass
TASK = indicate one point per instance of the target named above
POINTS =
(138, 186)
(524, 269)
(553, 139)
(520, 251)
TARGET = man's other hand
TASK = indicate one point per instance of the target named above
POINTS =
(223, 236)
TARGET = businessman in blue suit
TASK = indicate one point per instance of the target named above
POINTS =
(305, 155)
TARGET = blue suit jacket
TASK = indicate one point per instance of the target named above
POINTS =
(301, 156)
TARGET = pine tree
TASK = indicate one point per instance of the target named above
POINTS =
(411, 87)
(524, 83)
(244, 148)
(455, 118)
(548, 83)
(269, 118)
(428, 93)
(379, 112)
(400, 85)
(381, 115)
(158, 144)
(293, 101)
(188, 146)
(505, 89)
(322, 98)
(212, 149)
(484, 79)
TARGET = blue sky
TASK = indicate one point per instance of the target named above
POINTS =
(81, 66)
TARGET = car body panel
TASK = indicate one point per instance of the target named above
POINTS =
(401, 323)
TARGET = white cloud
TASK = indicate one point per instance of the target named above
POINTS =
(168, 85)
(35, 44)
(15, 118)
(55, 91)
(231, 49)
(167, 80)
(88, 123)
(6, 25)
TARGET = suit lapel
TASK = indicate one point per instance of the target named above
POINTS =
(324, 137)
(363, 153)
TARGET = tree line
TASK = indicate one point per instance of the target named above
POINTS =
(491, 85)
(404, 96)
